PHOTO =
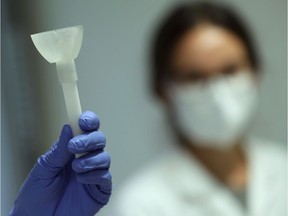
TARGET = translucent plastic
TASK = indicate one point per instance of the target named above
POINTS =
(62, 46)
(73, 106)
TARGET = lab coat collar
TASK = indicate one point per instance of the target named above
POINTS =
(264, 187)
(193, 182)
(191, 175)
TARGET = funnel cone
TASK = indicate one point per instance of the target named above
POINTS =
(60, 44)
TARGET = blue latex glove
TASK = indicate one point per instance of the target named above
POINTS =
(61, 185)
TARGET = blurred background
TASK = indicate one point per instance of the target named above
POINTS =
(113, 74)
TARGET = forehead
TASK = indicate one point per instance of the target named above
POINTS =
(208, 47)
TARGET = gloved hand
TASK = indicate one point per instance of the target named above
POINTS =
(61, 185)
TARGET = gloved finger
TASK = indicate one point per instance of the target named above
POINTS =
(97, 177)
(97, 160)
(100, 193)
(87, 142)
(53, 161)
(89, 121)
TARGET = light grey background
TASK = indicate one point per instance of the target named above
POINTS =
(113, 80)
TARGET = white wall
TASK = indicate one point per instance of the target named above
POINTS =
(114, 77)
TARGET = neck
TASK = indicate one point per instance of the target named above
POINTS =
(229, 166)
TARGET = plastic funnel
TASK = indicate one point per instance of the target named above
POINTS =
(62, 46)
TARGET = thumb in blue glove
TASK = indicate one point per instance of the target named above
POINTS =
(59, 184)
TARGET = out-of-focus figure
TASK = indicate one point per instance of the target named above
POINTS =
(206, 71)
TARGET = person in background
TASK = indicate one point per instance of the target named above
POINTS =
(60, 184)
(206, 71)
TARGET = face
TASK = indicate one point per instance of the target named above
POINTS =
(217, 110)
(205, 52)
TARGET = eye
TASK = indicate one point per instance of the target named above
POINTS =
(195, 77)
(188, 76)
(230, 70)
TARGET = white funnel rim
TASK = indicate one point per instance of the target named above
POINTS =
(59, 44)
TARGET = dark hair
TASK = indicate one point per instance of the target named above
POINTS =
(181, 19)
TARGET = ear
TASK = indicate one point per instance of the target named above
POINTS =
(162, 93)
(257, 77)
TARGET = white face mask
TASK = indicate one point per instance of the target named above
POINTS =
(216, 113)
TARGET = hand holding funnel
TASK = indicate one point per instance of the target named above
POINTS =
(62, 46)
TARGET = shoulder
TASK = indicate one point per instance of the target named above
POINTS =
(269, 153)
(144, 189)
(268, 148)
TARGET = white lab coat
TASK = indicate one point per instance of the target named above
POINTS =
(177, 185)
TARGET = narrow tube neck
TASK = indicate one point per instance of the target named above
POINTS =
(66, 71)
